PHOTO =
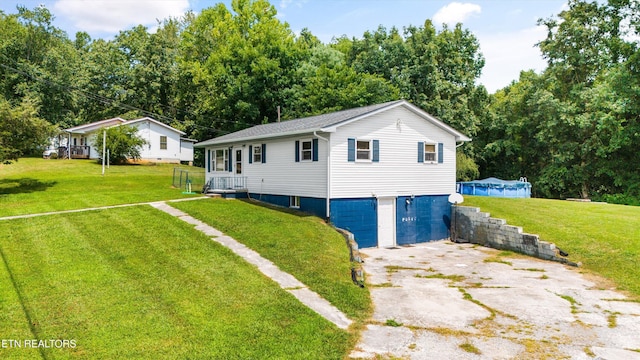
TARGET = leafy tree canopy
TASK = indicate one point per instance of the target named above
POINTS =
(22, 132)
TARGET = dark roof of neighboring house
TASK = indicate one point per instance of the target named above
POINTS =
(318, 123)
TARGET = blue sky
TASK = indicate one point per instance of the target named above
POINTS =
(507, 30)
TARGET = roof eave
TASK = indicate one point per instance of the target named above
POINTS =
(146, 118)
(334, 127)
(252, 138)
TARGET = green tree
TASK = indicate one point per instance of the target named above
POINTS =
(22, 132)
(582, 44)
(239, 64)
(573, 130)
(466, 168)
(325, 83)
(515, 139)
(436, 70)
(122, 142)
(38, 62)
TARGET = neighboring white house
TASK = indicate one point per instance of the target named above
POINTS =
(383, 172)
(164, 143)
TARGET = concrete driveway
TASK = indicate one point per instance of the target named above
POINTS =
(442, 300)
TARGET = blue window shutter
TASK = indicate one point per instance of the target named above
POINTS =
(209, 160)
(315, 149)
(376, 151)
(351, 150)
(264, 153)
(230, 160)
(297, 151)
(250, 154)
(440, 153)
(420, 152)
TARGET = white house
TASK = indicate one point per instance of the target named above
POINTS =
(383, 172)
(164, 143)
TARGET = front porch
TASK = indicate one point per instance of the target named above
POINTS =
(229, 187)
(76, 152)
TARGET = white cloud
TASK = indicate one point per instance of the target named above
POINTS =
(506, 54)
(111, 16)
(285, 3)
(455, 13)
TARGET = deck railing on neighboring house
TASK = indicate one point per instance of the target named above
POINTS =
(227, 183)
(77, 152)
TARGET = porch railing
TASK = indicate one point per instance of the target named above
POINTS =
(227, 183)
(76, 152)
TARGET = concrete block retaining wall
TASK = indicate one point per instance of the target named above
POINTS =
(469, 225)
(357, 273)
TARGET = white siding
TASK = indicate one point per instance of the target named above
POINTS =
(398, 171)
(186, 150)
(151, 133)
(92, 139)
(176, 151)
(281, 174)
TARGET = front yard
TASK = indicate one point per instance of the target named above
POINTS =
(135, 282)
(33, 185)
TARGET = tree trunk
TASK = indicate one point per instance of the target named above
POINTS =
(584, 192)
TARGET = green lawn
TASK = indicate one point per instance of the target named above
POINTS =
(604, 237)
(137, 283)
(299, 244)
(33, 185)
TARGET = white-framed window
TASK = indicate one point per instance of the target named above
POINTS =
(221, 160)
(163, 142)
(306, 150)
(294, 202)
(257, 153)
(430, 154)
(363, 150)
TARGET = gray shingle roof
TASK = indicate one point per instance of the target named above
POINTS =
(307, 124)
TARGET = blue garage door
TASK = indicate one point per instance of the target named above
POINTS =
(421, 219)
(359, 216)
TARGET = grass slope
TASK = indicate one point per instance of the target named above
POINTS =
(33, 185)
(604, 237)
(138, 283)
(299, 244)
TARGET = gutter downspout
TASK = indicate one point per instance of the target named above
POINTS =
(315, 133)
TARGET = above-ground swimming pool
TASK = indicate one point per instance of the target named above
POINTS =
(495, 187)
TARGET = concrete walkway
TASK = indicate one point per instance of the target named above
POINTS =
(442, 300)
(285, 280)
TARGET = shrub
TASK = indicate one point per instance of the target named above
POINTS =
(123, 143)
(622, 199)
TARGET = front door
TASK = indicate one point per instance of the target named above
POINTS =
(386, 222)
(238, 160)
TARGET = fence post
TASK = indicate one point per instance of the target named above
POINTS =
(173, 178)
